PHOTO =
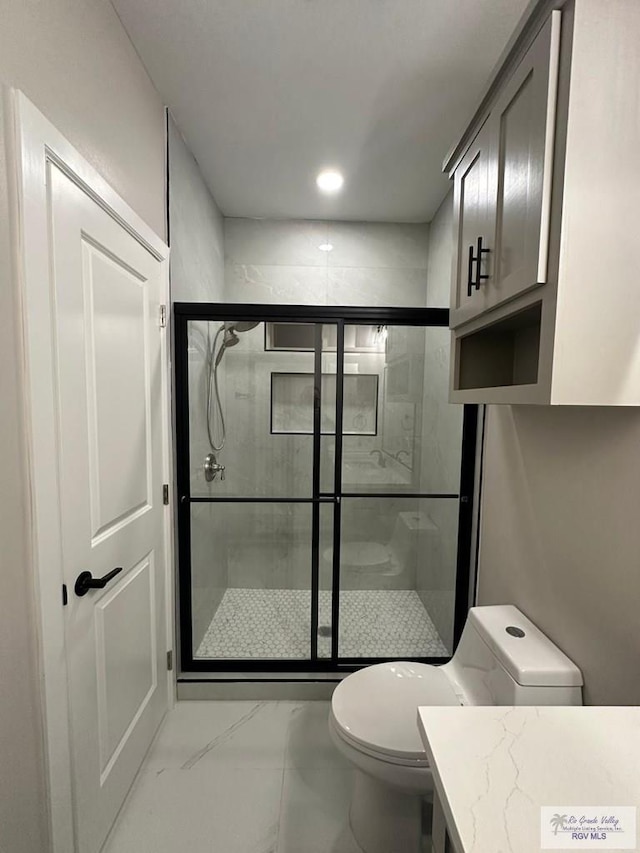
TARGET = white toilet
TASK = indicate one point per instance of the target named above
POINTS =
(502, 659)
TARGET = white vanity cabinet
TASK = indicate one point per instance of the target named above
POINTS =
(545, 304)
(440, 839)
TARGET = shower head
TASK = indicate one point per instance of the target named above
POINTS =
(230, 337)
(240, 326)
(229, 331)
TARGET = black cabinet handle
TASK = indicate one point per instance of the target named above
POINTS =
(479, 277)
(470, 271)
(85, 581)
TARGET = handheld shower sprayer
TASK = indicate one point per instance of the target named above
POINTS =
(229, 331)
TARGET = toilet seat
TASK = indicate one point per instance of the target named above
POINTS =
(374, 709)
(385, 757)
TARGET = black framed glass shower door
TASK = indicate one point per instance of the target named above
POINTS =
(313, 533)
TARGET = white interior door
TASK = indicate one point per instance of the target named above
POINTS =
(107, 289)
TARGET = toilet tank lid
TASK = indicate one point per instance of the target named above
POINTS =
(529, 656)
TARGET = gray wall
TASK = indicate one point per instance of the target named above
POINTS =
(196, 229)
(440, 255)
(73, 59)
(560, 536)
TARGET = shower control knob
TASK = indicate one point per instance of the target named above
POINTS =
(212, 468)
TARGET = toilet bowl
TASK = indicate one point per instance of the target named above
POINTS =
(371, 725)
(502, 659)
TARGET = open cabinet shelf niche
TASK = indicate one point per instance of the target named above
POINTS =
(503, 354)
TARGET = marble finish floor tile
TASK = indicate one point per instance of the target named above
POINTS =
(275, 623)
(206, 786)
(309, 745)
(240, 734)
(205, 809)
(314, 811)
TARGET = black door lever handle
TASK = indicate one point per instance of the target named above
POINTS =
(85, 581)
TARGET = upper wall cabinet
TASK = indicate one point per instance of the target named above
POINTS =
(545, 304)
(474, 223)
(523, 134)
(503, 187)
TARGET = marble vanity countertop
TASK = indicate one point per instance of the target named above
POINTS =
(494, 767)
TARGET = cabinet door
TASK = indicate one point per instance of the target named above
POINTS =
(523, 129)
(474, 216)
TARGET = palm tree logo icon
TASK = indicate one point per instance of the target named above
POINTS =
(557, 821)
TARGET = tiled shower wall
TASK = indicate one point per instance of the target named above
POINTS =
(273, 261)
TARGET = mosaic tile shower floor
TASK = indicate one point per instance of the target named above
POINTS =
(275, 623)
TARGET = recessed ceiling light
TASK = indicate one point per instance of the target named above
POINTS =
(330, 181)
(326, 247)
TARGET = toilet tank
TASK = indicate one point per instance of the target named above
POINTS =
(504, 659)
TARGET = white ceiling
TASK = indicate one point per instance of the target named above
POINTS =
(267, 92)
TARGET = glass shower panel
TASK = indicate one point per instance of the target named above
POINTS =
(250, 412)
(440, 440)
(251, 580)
(325, 581)
(293, 458)
(397, 577)
(326, 336)
(327, 462)
(383, 401)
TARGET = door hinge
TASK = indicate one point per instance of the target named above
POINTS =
(163, 316)
(165, 494)
(65, 597)
(170, 660)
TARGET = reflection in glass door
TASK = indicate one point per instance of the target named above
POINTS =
(319, 476)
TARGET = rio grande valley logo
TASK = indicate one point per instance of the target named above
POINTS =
(588, 828)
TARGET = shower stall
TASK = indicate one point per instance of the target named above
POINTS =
(325, 487)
